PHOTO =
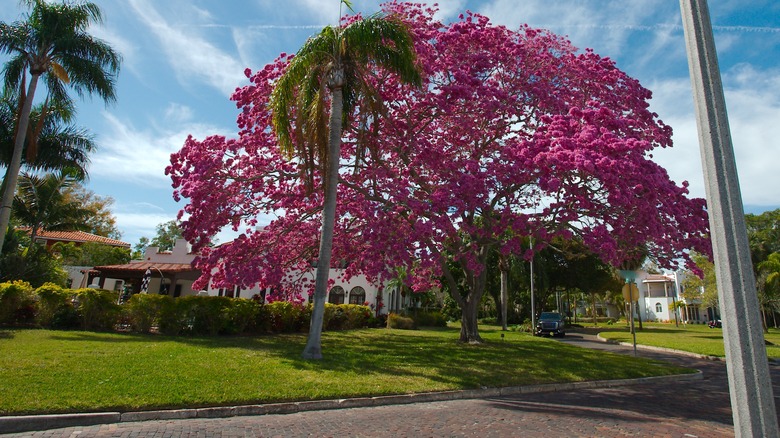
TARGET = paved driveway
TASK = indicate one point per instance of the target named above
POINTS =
(691, 409)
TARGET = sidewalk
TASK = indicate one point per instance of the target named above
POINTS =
(653, 407)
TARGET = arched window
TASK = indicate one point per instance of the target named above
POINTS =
(357, 295)
(658, 308)
(336, 295)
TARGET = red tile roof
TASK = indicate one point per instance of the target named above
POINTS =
(79, 236)
(141, 267)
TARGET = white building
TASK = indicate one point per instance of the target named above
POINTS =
(172, 273)
(659, 294)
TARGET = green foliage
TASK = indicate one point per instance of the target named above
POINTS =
(100, 220)
(143, 311)
(60, 145)
(54, 307)
(90, 254)
(97, 308)
(763, 234)
(286, 317)
(395, 321)
(451, 309)
(241, 316)
(41, 203)
(167, 234)
(31, 263)
(430, 319)
(693, 284)
(17, 303)
(345, 316)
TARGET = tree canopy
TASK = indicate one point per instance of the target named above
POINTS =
(513, 134)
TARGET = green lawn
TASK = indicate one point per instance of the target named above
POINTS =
(696, 338)
(45, 371)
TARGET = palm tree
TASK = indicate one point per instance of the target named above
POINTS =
(42, 205)
(52, 43)
(60, 145)
(331, 66)
(769, 285)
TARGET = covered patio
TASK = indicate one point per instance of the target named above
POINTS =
(175, 278)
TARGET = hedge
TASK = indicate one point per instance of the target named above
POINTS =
(54, 307)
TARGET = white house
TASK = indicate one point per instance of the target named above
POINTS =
(660, 293)
(172, 273)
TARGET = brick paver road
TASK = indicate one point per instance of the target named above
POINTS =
(688, 409)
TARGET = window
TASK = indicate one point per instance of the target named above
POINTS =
(357, 295)
(658, 308)
(336, 295)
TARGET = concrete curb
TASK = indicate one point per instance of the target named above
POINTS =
(43, 422)
(25, 423)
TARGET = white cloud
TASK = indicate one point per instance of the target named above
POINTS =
(190, 54)
(753, 101)
(139, 156)
(138, 221)
(604, 25)
(177, 113)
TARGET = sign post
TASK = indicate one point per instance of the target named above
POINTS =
(631, 294)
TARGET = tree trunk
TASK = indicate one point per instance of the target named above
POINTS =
(639, 314)
(313, 348)
(16, 160)
(468, 320)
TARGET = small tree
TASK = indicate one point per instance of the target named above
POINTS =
(167, 235)
(42, 205)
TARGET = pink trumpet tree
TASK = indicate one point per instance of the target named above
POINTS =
(514, 133)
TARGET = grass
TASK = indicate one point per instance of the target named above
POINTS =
(696, 338)
(45, 371)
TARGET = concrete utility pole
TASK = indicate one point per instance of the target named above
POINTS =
(750, 385)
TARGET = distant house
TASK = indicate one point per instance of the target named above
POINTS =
(49, 238)
(77, 275)
(659, 293)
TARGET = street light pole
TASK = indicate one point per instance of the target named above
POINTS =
(533, 307)
(750, 386)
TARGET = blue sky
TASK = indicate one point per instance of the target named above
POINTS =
(183, 58)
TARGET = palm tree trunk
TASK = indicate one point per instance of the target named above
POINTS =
(313, 349)
(12, 175)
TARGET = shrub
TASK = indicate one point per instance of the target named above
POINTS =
(17, 303)
(524, 327)
(333, 318)
(175, 318)
(396, 321)
(240, 315)
(143, 311)
(97, 308)
(451, 309)
(287, 317)
(355, 316)
(55, 309)
(430, 319)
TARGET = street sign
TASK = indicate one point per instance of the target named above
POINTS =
(630, 292)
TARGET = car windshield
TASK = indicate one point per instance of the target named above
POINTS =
(550, 315)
